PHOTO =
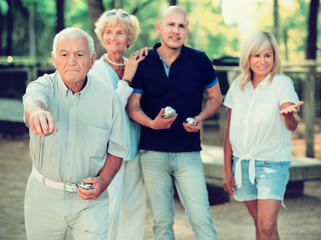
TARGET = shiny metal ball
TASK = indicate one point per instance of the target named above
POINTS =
(86, 186)
(191, 121)
(169, 112)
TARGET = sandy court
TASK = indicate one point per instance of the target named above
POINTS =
(301, 220)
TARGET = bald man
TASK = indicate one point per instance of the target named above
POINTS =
(174, 75)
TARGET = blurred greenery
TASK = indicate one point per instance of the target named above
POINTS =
(3, 7)
(23, 61)
(208, 31)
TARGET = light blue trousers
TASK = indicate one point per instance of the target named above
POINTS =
(160, 171)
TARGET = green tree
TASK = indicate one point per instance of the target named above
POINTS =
(9, 28)
(95, 9)
(293, 22)
(311, 46)
(215, 37)
(60, 9)
(276, 19)
(208, 31)
(3, 11)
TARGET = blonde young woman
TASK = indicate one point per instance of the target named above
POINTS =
(117, 31)
(262, 111)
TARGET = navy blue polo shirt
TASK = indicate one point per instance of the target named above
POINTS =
(182, 89)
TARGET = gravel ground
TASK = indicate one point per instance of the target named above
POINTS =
(301, 220)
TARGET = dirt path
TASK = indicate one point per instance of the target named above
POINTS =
(301, 220)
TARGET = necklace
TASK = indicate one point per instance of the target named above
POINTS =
(116, 64)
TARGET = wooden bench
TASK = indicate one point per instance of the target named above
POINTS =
(302, 169)
(11, 118)
(11, 110)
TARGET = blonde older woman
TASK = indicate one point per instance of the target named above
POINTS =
(262, 106)
(117, 31)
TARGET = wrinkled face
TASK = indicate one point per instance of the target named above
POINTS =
(173, 29)
(73, 60)
(115, 38)
(261, 64)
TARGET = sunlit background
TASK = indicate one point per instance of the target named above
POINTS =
(218, 27)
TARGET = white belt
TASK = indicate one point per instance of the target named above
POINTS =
(238, 171)
(68, 187)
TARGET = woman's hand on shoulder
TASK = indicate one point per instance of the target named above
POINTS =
(140, 53)
(132, 63)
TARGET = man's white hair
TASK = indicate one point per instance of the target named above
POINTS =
(73, 32)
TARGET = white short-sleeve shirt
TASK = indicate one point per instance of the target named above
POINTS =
(257, 130)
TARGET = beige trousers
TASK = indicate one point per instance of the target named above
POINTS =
(50, 212)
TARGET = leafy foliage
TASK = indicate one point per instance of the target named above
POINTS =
(293, 27)
(208, 31)
(3, 7)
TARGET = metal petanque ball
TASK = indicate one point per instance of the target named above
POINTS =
(86, 186)
(191, 121)
(169, 112)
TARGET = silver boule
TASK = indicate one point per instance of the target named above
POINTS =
(191, 121)
(169, 112)
(86, 186)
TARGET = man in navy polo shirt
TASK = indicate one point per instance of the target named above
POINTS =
(174, 75)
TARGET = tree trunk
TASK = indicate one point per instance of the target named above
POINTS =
(311, 53)
(140, 7)
(60, 6)
(196, 26)
(311, 47)
(1, 32)
(112, 4)
(95, 9)
(285, 40)
(276, 19)
(32, 31)
(10, 21)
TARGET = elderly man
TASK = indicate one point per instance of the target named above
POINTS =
(72, 166)
(174, 75)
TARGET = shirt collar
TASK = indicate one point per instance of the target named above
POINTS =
(65, 91)
(182, 53)
(266, 80)
(263, 84)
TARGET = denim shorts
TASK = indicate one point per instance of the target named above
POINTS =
(270, 180)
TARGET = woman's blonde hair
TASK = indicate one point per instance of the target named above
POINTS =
(256, 43)
(111, 18)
